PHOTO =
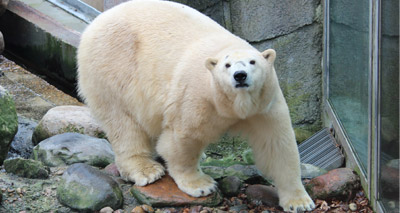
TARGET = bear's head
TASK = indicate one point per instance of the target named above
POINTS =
(242, 69)
(242, 75)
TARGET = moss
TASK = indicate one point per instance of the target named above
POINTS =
(100, 134)
(26, 168)
(39, 134)
(8, 123)
(226, 147)
(72, 128)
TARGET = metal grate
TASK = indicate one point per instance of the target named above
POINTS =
(77, 8)
(321, 150)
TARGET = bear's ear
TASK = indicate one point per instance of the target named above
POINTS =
(211, 63)
(270, 55)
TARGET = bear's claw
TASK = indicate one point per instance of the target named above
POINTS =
(196, 185)
(298, 204)
(146, 171)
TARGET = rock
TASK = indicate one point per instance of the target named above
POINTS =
(230, 186)
(214, 171)
(238, 208)
(85, 188)
(261, 20)
(27, 168)
(106, 210)
(353, 207)
(268, 195)
(112, 169)
(310, 171)
(147, 208)
(70, 148)
(8, 123)
(22, 145)
(336, 183)
(138, 209)
(165, 192)
(246, 173)
(300, 79)
(62, 119)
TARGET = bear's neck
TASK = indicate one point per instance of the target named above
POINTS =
(244, 104)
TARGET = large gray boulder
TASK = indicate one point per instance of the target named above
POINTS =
(62, 119)
(70, 148)
(8, 123)
(85, 188)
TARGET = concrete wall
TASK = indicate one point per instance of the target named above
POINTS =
(294, 30)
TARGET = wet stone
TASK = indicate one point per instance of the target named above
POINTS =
(165, 192)
(22, 145)
(112, 169)
(337, 183)
(85, 188)
(27, 168)
(230, 186)
(268, 195)
(70, 148)
(246, 173)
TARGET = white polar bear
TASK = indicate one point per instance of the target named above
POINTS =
(162, 77)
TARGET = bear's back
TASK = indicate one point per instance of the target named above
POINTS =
(136, 51)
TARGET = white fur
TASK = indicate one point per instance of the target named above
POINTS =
(154, 73)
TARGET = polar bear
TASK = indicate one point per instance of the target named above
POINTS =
(161, 77)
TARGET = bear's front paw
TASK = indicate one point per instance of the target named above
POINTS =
(297, 201)
(196, 185)
(142, 171)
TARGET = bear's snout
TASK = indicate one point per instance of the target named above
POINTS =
(240, 77)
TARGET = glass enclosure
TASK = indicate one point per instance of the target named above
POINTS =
(389, 107)
(362, 91)
(349, 70)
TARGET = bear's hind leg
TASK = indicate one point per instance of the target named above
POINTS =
(182, 157)
(134, 152)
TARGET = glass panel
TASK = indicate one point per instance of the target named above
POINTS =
(349, 70)
(389, 72)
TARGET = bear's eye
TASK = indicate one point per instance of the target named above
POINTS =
(227, 65)
(252, 62)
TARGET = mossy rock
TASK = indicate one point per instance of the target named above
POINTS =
(8, 123)
(27, 168)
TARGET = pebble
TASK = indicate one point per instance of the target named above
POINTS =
(138, 209)
(353, 207)
(106, 210)
(147, 208)
(19, 190)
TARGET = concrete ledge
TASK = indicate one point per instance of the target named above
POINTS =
(41, 43)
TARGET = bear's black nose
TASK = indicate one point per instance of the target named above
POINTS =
(240, 76)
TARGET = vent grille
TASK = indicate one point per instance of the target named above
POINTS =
(321, 150)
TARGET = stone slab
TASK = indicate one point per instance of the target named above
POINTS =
(165, 192)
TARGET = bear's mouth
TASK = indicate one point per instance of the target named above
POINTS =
(241, 85)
